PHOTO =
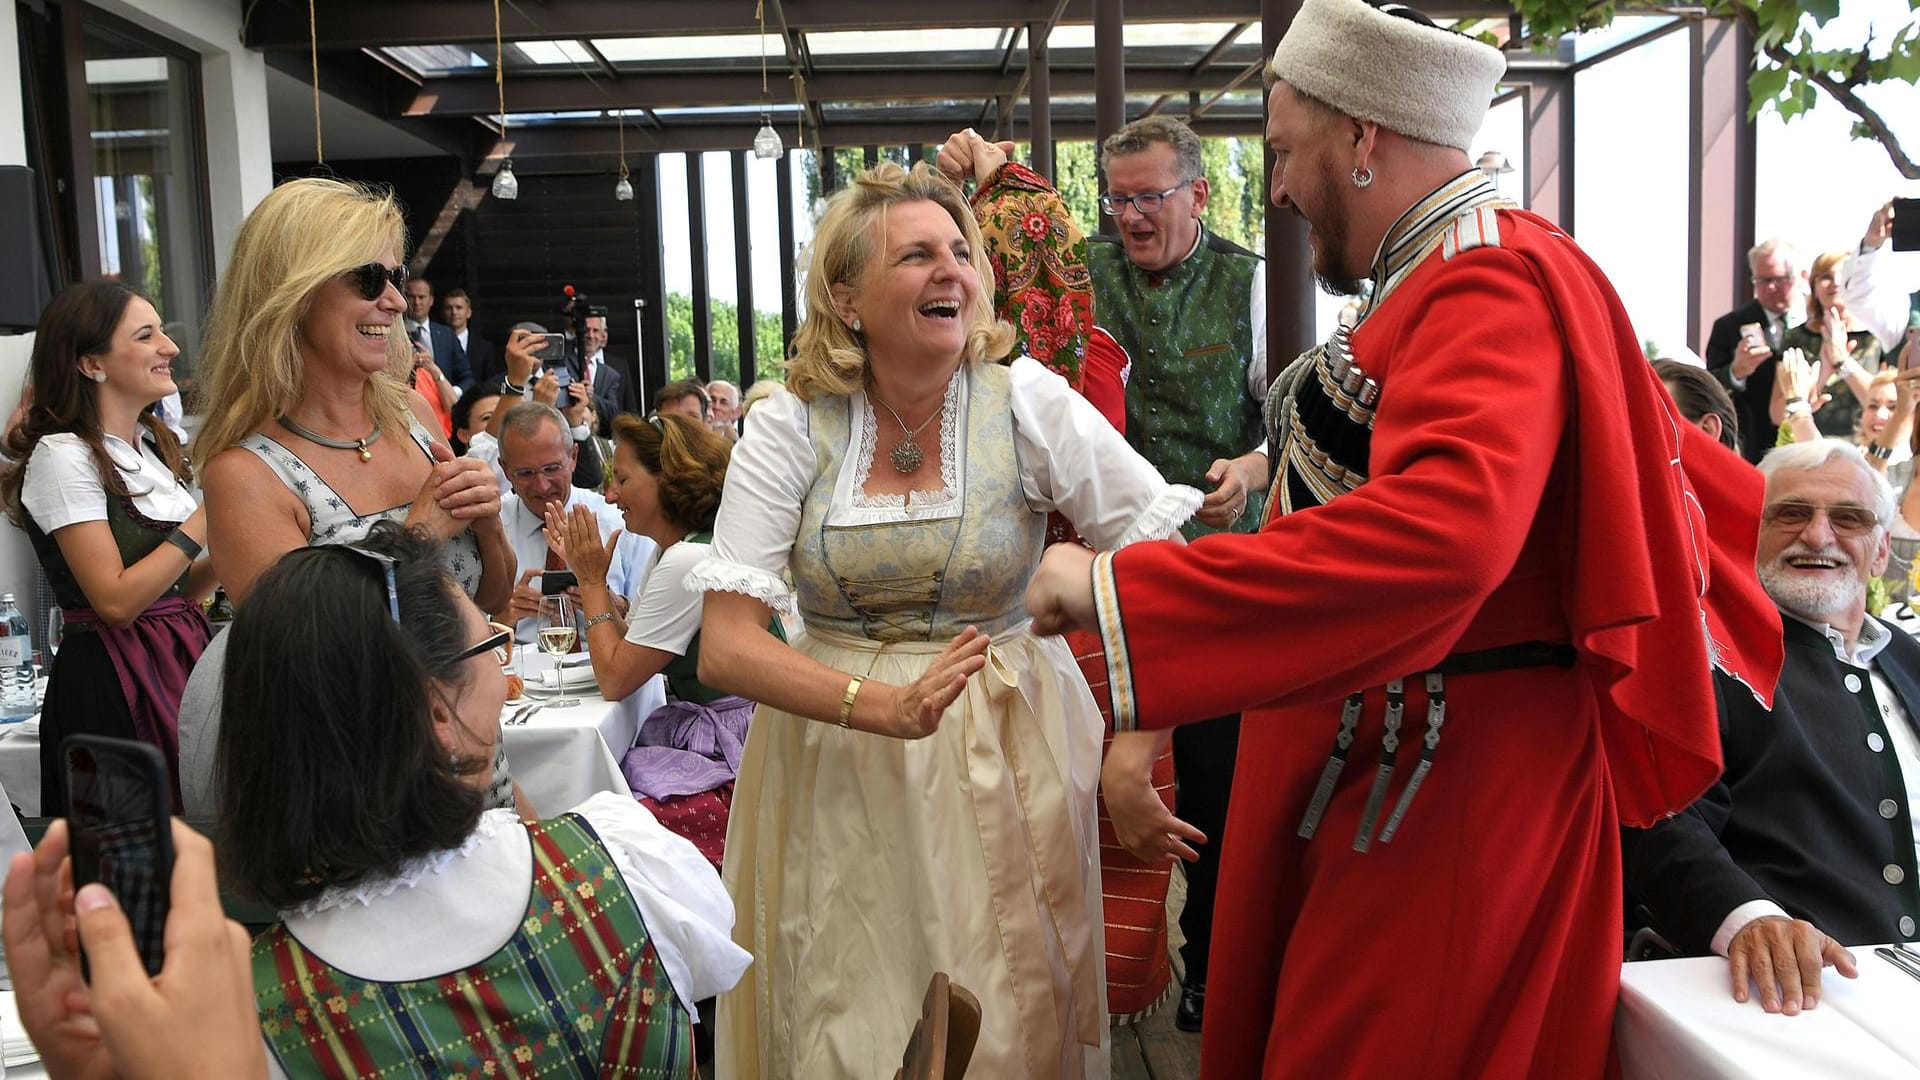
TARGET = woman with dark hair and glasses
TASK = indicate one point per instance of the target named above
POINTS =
(421, 933)
(104, 493)
(668, 471)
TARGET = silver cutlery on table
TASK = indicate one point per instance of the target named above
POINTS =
(1904, 960)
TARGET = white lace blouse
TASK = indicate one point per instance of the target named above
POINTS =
(1070, 459)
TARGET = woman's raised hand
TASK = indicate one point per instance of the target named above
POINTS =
(575, 536)
(918, 705)
(1798, 378)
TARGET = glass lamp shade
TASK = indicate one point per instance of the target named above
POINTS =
(623, 190)
(505, 185)
(1494, 163)
(766, 142)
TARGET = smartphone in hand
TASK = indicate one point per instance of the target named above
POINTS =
(119, 815)
(555, 582)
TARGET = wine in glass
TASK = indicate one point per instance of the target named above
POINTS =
(557, 635)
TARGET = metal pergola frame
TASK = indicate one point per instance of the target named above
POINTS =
(1026, 87)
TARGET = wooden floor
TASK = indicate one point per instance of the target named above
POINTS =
(1154, 1048)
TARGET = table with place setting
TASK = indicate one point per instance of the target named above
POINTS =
(559, 754)
(1677, 1020)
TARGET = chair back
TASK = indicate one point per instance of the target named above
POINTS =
(942, 1041)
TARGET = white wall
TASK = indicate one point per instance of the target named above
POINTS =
(16, 555)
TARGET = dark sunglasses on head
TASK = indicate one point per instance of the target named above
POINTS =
(373, 277)
(383, 565)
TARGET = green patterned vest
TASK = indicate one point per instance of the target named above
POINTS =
(1190, 339)
(577, 991)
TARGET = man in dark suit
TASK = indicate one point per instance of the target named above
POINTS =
(448, 356)
(1807, 842)
(1743, 361)
(610, 389)
(484, 366)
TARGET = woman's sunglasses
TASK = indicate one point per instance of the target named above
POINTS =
(373, 277)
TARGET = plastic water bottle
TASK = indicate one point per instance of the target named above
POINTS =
(16, 663)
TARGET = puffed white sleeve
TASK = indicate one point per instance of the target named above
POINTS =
(767, 480)
(1073, 461)
(687, 910)
(62, 486)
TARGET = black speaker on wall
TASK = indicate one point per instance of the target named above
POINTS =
(24, 286)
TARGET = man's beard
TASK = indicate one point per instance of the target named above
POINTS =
(1332, 231)
(1810, 599)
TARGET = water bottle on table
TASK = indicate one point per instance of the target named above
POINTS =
(16, 663)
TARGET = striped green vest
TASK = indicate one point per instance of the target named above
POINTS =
(577, 991)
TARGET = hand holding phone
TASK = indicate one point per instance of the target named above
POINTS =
(198, 1020)
(1752, 350)
(119, 809)
(555, 582)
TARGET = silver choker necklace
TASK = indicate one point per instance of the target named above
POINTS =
(312, 436)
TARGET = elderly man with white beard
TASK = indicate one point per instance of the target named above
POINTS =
(1808, 842)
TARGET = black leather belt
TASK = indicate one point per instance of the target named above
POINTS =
(1522, 654)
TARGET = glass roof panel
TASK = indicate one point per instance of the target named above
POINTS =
(688, 47)
(858, 42)
(1624, 28)
(434, 59)
(695, 112)
(1200, 35)
(554, 52)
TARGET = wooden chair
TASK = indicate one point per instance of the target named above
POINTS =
(942, 1042)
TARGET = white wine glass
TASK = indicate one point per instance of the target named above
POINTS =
(557, 637)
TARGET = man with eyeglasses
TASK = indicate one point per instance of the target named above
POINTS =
(1189, 308)
(1807, 843)
(537, 453)
(1744, 347)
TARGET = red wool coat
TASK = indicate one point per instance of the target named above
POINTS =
(1528, 481)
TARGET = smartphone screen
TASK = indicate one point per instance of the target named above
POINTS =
(1906, 224)
(117, 811)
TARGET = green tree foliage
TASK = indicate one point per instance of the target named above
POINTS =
(769, 358)
(1788, 72)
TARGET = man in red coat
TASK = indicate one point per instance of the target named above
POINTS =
(1483, 581)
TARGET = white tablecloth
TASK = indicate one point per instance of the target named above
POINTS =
(1677, 1020)
(560, 756)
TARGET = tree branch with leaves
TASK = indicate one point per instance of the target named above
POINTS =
(1788, 72)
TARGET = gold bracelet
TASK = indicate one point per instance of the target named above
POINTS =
(846, 703)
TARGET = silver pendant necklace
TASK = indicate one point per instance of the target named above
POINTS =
(906, 456)
(360, 444)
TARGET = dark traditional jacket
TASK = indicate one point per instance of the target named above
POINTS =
(1811, 812)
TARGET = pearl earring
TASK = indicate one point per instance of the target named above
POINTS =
(1362, 178)
(98, 376)
(857, 328)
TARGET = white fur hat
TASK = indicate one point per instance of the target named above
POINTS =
(1422, 81)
